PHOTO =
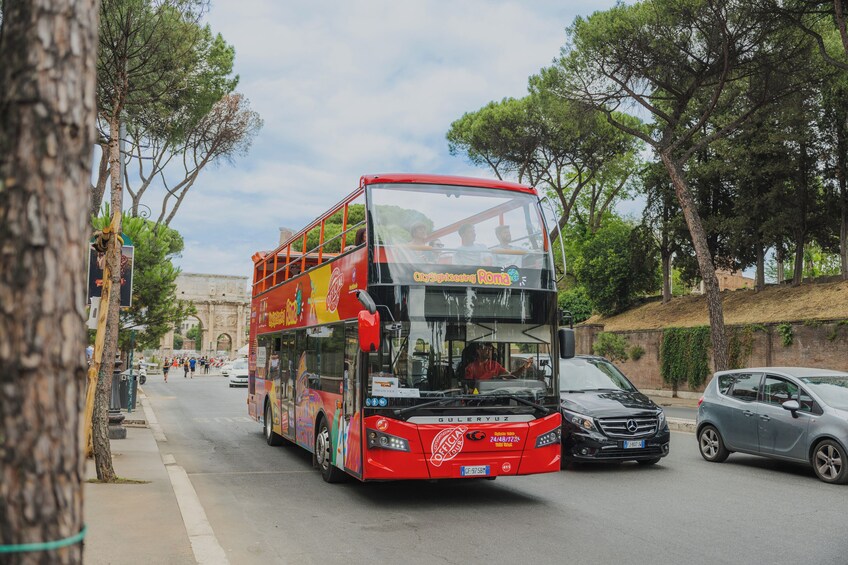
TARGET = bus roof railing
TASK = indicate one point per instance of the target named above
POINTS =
(269, 271)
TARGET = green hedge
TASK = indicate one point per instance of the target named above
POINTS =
(684, 355)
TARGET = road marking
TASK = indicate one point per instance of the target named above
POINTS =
(152, 422)
(251, 473)
(223, 420)
(204, 544)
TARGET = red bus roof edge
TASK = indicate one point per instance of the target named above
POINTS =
(413, 178)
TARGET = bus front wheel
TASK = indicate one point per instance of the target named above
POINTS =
(323, 452)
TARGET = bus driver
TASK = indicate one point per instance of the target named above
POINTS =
(484, 367)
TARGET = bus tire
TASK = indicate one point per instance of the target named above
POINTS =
(323, 451)
(271, 437)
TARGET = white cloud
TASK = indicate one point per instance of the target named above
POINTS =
(349, 88)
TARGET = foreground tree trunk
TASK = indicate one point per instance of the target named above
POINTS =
(705, 262)
(760, 283)
(47, 112)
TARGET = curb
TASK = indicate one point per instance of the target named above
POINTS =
(681, 425)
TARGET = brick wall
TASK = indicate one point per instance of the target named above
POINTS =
(811, 346)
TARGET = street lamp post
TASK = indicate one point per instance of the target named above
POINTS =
(116, 419)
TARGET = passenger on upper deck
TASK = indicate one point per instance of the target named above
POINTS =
(420, 250)
(511, 252)
(470, 253)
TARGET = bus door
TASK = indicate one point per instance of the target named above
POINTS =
(288, 366)
(352, 425)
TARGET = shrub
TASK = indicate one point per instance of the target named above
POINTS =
(786, 336)
(636, 352)
(612, 346)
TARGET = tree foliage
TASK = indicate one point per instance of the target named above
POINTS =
(155, 305)
(617, 265)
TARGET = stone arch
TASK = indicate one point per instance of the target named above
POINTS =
(224, 344)
(222, 308)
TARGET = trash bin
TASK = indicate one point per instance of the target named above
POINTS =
(125, 390)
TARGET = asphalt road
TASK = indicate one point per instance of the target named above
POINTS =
(267, 505)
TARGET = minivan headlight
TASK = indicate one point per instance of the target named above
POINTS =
(660, 419)
(581, 421)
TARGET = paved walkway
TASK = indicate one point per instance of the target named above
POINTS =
(135, 523)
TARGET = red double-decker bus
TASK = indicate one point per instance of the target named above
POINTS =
(411, 333)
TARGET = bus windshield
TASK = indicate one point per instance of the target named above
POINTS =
(441, 234)
(425, 359)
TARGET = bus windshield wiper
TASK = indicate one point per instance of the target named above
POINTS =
(437, 402)
(544, 409)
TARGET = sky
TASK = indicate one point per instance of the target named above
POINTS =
(354, 87)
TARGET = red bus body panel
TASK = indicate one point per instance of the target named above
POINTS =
(439, 451)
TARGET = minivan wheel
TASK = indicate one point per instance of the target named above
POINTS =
(829, 462)
(711, 445)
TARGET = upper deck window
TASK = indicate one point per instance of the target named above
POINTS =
(448, 233)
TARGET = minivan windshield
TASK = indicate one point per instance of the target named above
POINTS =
(833, 391)
(240, 364)
(582, 374)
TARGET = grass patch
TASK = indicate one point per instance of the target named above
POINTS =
(118, 481)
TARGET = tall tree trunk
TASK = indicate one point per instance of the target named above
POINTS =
(705, 262)
(842, 181)
(798, 265)
(802, 192)
(760, 282)
(781, 268)
(666, 273)
(47, 113)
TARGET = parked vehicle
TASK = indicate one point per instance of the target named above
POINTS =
(226, 368)
(605, 418)
(238, 373)
(788, 413)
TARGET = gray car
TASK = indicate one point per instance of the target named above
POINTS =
(788, 413)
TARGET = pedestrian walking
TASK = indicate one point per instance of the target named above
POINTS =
(192, 364)
(185, 369)
(165, 368)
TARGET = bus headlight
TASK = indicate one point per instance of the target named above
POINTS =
(379, 440)
(549, 438)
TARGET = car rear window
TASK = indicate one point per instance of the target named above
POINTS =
(745, 386)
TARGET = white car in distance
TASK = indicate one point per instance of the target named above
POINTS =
(238, 373)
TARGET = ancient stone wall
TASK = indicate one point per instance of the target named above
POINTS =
(814, 344)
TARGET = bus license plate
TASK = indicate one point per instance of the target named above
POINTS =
(634, 444)
(474, 471)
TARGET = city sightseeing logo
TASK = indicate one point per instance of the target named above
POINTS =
(482, 277)
(289, 315)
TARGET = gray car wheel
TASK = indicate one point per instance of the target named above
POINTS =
(711, 445)
(829, 462)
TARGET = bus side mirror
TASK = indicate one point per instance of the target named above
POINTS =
(566, 343)
(369, 331)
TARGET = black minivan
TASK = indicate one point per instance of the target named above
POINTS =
(605, 418)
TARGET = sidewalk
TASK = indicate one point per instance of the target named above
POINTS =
(135, 523)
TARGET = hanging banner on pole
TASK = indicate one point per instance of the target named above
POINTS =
(96, 262)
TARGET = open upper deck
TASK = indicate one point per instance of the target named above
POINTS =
(424, 229)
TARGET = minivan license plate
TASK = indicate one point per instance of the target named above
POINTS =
(474, 470)
(634, 444)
